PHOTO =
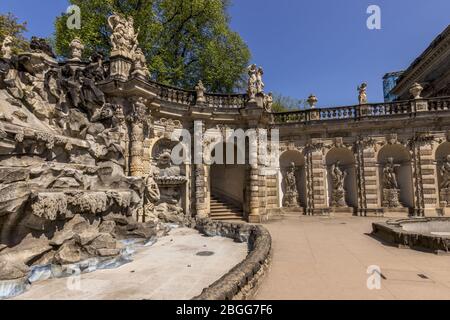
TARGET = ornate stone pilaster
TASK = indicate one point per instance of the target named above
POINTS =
(318, 175)
(201, 204)
(138, 121)
(309, 182)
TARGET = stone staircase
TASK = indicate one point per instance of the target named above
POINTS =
(225, 211)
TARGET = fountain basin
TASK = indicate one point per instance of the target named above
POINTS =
(429, 234)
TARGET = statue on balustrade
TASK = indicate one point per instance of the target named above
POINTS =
(259, 81)
(252, 82)
(391, 188)
(268, 102)
(291, 194)
(337, 183)
(362, 89)
(445, 182)
(123, 37)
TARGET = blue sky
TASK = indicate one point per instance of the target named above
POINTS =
(317, 46)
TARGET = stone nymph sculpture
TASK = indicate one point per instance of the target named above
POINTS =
(445, 182)
(290, 181)
(391, 189)
(337, 183)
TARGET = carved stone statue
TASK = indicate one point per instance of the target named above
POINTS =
(76, 47)
(445, 173)
(200, 88)
(391, 189)
(123, 37)
(445, 182)
(337, 183)
(362, 97)
(291, 194)
(268, 102)
(6, 50)
(140, 64)
(259, 81)
(151, 197)
(252, 89)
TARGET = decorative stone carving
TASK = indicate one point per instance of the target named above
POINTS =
(151, 197)
(252, 87)
(337, 184)
(445, 182)
(259, 81)
(416, 90)
(391, 189)
(362, 97)
(124, 47)
(6, 50)
(268, 102)
(140, 68)
(312, 101)
(291, 193)
(76, 47)
(200, 88)
(123, 38)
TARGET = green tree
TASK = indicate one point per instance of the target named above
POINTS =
(285, 104)
(10, 26)
(184, 41)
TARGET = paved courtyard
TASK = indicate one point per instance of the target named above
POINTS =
(327, 258)
(169, 270)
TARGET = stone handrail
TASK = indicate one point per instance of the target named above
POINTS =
(229, 101)
(189, 97)
(358, 112)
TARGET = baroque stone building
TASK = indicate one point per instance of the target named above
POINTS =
(86, 154)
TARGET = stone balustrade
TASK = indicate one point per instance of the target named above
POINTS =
(357, 112)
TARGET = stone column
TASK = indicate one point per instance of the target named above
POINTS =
(201, 204)
(309, 182)
(429, 180)
(137, 149)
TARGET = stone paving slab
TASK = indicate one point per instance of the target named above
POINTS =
(170, 269)
(327, 258)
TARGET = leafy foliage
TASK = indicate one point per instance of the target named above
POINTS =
(184, 41)
(10, 26)
(285, 104)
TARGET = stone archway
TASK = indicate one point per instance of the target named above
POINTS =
(401, 166)
(443, 173)
(286, 160)
(342, 159)
(227, 184)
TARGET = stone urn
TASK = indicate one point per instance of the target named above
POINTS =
(416, 90)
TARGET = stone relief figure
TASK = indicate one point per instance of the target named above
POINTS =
(362, 97)
(391, 189)
(291, 195)
(337, 183)
(268, 102)
(6, 50)
(252, 89)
